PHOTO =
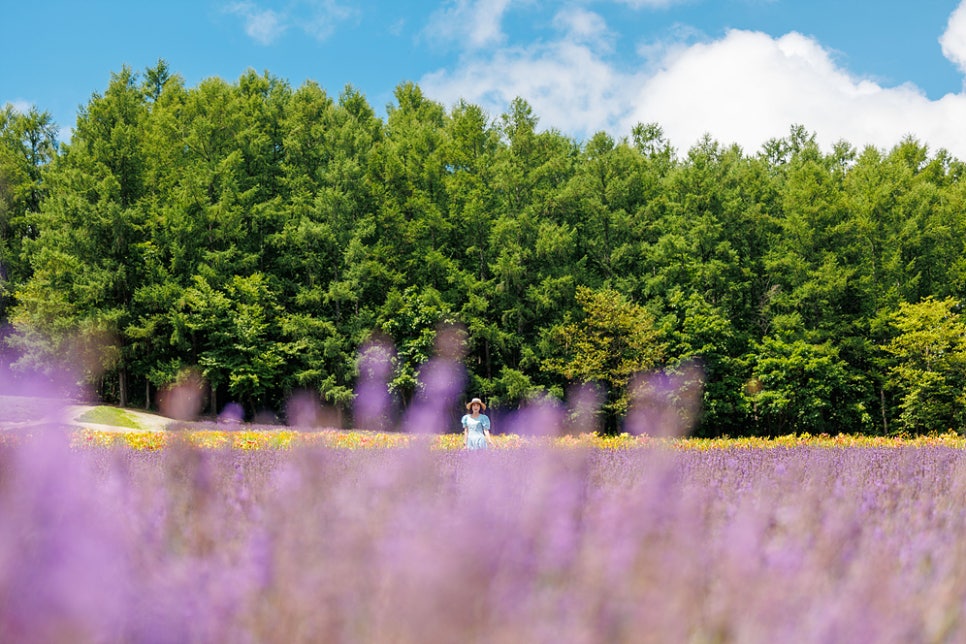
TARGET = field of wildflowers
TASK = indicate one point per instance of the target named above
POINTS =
(324, 536)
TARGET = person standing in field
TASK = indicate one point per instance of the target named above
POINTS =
(476, 426)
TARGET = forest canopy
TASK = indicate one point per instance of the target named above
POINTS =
(257, 235)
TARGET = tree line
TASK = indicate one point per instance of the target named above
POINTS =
(258, 235)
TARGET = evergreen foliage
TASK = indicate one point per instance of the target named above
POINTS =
(259, 234)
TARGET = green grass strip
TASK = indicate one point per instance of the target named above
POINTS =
(113, 416)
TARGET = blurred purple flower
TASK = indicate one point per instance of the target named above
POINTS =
(304, 409)
(585, 402)
(373, 404)
(542, 416)
(183, 399)
(441, 382)
(665, 403)
(231, 413)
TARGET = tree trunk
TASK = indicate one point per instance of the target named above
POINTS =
(885, 421)
(486, 353)
(122, 386)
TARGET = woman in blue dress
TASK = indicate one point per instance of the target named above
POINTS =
(476, 426)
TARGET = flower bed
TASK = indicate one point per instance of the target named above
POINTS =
(287, 439)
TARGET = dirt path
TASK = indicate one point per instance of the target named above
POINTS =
(26, 411)
(146, 421)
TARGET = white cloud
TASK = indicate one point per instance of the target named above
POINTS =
(953, 41)
(568, 86)
(468, 23)
(744, 88)
(582, 26)
(261, 25)
(317, 18)
(20, 106)
(749, 87)
(566, 81)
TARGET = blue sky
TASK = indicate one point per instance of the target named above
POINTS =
(743, 71)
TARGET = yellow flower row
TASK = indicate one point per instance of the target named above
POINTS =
(287, 439)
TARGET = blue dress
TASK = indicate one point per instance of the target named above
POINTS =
(475, 438)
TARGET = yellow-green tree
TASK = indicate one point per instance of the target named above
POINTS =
(613, 340)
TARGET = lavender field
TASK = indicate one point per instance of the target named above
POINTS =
(533, 541)
(516, 545)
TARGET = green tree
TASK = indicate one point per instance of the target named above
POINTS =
(698, 332)
(155, 79)
(85, 258)
(799, 386)
(325, 193)
(236, 335)
(213, 208)
(531, 259)
(929, 365)
(810, 273)
(412, 319)
(705, 229)
(27, 146)
(470, 146)
(408, 168)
